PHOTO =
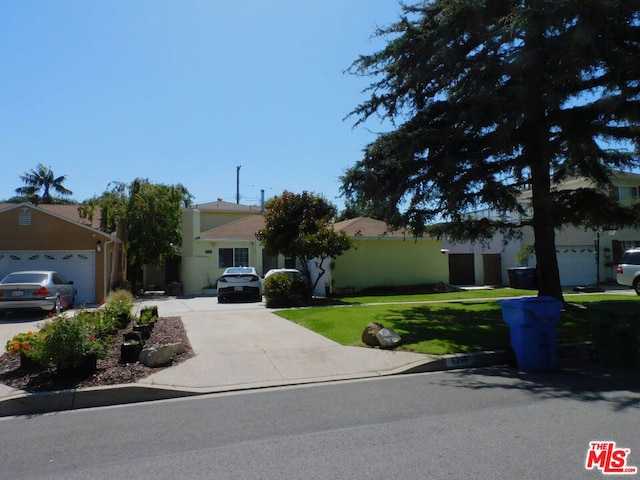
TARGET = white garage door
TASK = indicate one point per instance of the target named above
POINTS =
(77, 266)
(577, 265)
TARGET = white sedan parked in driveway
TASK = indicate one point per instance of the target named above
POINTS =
(36, 289)
(239, 282)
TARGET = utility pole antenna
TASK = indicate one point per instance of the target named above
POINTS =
(238, 184)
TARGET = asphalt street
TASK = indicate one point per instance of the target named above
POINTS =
(487, 423)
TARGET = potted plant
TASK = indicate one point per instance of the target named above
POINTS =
(130, 351)
(72, 345)
(145, 323)
(27, 345)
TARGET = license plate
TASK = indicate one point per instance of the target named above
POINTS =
(237, 289)
(17, 293)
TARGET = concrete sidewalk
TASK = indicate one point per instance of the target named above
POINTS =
(239, 347)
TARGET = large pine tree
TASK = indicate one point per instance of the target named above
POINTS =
(488, 98)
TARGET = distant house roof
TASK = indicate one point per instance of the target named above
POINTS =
(68, 212)
(222, 206)
(243, 229)
(368, 228)
(246, 228)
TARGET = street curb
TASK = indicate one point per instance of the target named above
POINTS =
(569, 356)
(75, 399)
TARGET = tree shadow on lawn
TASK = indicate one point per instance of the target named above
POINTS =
(449, 330)
(468, 327)
(589, 383)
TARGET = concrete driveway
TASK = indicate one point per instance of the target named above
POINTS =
(246, 345)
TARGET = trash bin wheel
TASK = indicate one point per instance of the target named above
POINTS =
(510, 357)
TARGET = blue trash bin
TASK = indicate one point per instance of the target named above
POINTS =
(532, 327)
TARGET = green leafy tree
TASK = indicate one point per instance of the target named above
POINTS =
(299, 225)
(354, 208)
(146, 217)
(42, 180)
(488, 98)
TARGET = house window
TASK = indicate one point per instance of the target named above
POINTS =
(625, 194)
(233, 257)
(289, 262)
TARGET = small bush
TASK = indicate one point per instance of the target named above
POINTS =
(281, 291)
(67, 341)
(119, 312)
(120, 295)
(101, 324)
(148, 315)
(28, 344)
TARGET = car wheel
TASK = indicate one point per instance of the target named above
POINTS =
(74, 300)
(220, 299)
(57, 307)
(636, 286)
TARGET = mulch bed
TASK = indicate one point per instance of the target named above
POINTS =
(110, 371)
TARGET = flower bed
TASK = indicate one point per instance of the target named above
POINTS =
(74, 349)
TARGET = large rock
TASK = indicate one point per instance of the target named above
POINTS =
(369, 335)
(160, 354)
(388, 338)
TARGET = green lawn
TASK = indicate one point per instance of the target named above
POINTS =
(439, 323)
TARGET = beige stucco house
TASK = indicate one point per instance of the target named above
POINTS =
(382, 258)
(54, 237)
(221, 234)
(218, 235)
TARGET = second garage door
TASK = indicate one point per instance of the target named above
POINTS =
(577, 265)
(77, 266)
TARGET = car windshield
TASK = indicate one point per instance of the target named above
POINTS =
(25, 278)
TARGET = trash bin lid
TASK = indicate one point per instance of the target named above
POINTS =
(538, 307)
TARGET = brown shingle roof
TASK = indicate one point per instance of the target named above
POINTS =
(367, 227)
(246, 228)
(222, 206)
(69, 212)
(243, 229)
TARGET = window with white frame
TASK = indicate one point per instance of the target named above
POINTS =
(233, 257)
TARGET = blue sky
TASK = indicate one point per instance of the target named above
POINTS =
(184, 92)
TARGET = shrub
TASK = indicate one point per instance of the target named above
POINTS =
(102, 324)
(67, 341)
(120, 295)
(281, 291)
(148, 315)
(28, 344)
(119, 311)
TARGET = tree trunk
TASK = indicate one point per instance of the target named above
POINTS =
(544, 233)
(537, 154)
